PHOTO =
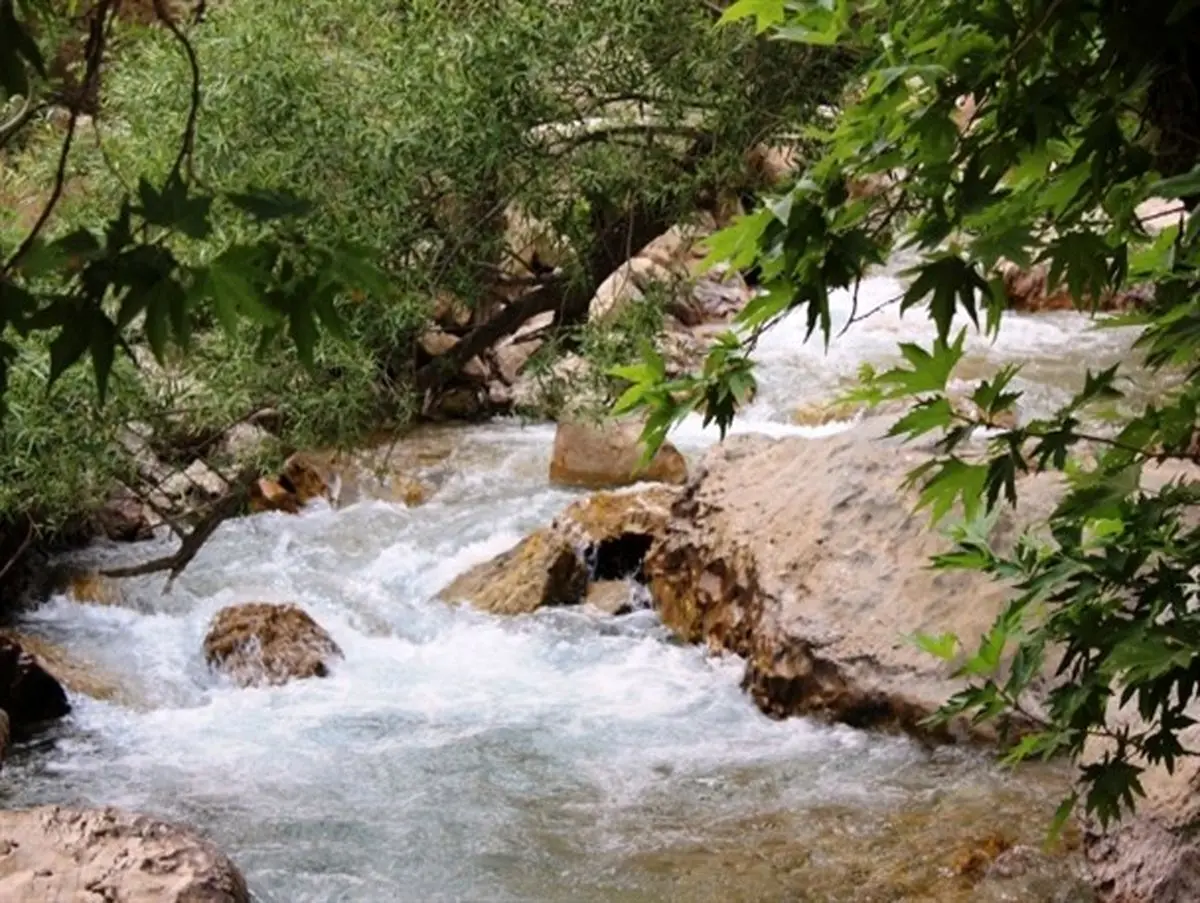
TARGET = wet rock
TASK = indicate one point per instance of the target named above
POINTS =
(88, 856)
(125, 518)
(805, 557)
(1152, 856)
(818, 413)
(66, 669)
(271, 495)
(1029, 291)
(717, 296)
(459, 403)
(28, 692)
(307, 477)
(609, 454)
(601, 538)
(5, 735)
(542, 570)
(613, 597)
(263, 643)
(344, 478)
(91, 588)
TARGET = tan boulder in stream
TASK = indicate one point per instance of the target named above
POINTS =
(601, 538)
(608, 455)
(263, 643)
(59, 855)
(804, 556)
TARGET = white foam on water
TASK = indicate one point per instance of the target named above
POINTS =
(452, 753)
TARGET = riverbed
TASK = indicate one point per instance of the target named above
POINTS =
(562, 756)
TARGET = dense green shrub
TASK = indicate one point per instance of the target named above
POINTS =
(411, 129)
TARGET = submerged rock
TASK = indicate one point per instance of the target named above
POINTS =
(804, 556)
(601, 538)
(606, 455)
(342, 478)
(28, 692)
(87, 856)
(264, 643)
(613, 597)
(92, 588)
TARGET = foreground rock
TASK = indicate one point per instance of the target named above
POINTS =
(263, 643)
(88, 856)
(29, 694)
(803, 556)
(594, 541)
(1152, 856)
(607, 455)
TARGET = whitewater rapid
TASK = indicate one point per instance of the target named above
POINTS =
(558, 757)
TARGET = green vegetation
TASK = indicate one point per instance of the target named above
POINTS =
(256, 211)
(1082, 110)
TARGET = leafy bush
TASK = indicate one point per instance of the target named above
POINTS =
(410, 131)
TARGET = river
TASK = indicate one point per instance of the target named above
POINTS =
(563, 756)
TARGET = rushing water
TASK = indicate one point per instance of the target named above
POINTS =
(558, 757)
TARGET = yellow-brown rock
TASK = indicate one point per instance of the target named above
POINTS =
(270, 495)
(307, 477)
(543, 569)
(822, 413)
(264, 643)
(604, 537)
(608, 455)
(74, 674)
(94, 589)
(1029, 290)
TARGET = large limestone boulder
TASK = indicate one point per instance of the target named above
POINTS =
(804, 556)
(1152, 856)
(87, 856)
(264, 643)
(28, 692)
(606, 455)
(600, 539)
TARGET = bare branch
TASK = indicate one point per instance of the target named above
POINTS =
(229, 505)
(189, 131)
